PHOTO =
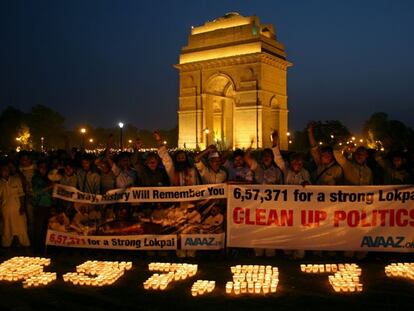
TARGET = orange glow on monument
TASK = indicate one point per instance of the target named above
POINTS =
(233, 82)
(221, 23)
(240, 49)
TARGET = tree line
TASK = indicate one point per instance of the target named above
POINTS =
(44, 127)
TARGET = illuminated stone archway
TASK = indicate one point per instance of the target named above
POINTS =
(218, 105)
(233, 83)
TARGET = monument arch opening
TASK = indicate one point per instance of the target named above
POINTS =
(218, 103)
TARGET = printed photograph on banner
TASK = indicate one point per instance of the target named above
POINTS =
(206, 216)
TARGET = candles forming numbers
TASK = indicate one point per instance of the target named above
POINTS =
(97, 273)
(172, 272)
(253, 279)
(402, 270)
(29, 270)
(345, 277)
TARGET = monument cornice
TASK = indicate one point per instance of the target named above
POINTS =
(235, 60)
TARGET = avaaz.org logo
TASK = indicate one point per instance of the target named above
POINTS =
(386, 242)
(210, 241)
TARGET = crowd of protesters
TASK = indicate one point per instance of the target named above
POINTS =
(27, 178)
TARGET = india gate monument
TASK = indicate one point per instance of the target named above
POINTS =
(233, 89)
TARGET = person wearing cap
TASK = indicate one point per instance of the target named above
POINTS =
(213, 172)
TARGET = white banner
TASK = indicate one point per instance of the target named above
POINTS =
(367, 218)
(202, 241)
(121, 242)
(143, 194)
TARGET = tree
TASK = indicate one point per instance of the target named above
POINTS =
(24, 138)
(11, 121)
(47, 123)
(329, 132)
(391, 134)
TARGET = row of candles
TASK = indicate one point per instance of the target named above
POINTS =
(405, 270)
(97, 273)
(200, 287)
(172, 267)
(320, 268)
(345, 278)
(253, 279)
(174, 272)
(246, 278)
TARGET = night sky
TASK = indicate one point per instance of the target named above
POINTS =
(100, 62)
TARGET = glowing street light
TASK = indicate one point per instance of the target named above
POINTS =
(42, 141)
(288, 134)
(91, 140)
(121, 125)
(130, 141)
(83, 132)
(206, 131)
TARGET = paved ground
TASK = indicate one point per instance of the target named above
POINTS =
(296, 291)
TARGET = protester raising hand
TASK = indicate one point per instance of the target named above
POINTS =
(138, 144)
(275, 138)
(158, 138)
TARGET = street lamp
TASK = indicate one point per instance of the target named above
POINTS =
(83, 132)
(207, 131)
(42, 140)
(121, 125)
